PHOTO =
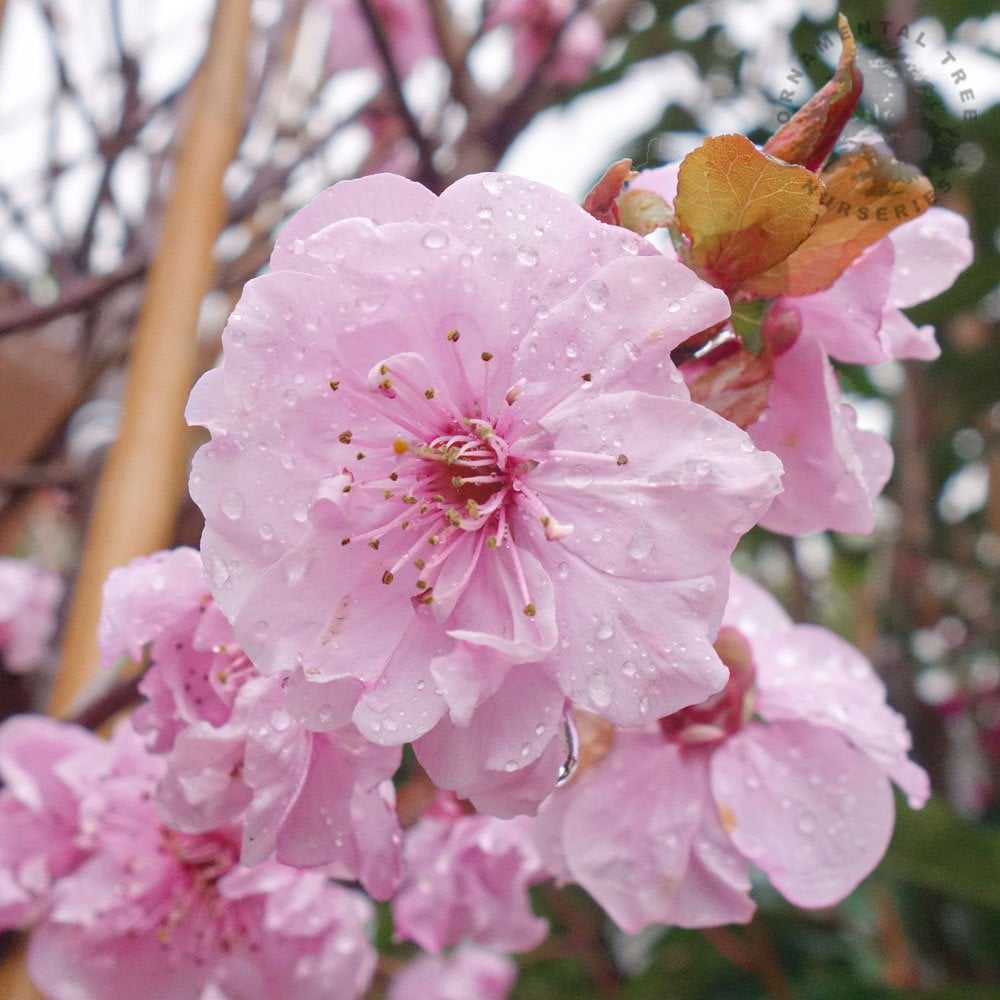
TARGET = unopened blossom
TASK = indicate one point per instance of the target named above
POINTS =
(406, 25)
(536, 24)
(790, 767)
(29, 598)
(467, 880)
(123, 906)
(450, 452)
(234, 752)
(468, 971)
(833, 469)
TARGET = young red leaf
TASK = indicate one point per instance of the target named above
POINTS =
(809, 136)
(741, 211)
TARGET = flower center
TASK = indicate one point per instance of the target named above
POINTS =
(723, 713)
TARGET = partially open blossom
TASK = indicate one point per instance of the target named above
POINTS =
(124, 907)
(467, 880)
(468, 971)
(448, 442)
(29, 598)
(234, 753)
(790, 767)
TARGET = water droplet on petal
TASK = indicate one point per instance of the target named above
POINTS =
(527, 256)
(232, 504)
(435, 239)
(596, 294)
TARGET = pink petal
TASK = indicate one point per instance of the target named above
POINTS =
(833, 471)
(630, 832)
(931, 252)
(805, 806)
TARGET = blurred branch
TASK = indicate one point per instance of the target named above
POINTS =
(144, 478)
(428, 175)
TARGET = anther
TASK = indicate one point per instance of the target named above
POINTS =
(345, 438)
(486, 356)
(334, 386)
(428, 393)
(529, 610)
(373, 544)
(345, 541)
(387, 577)
(400, 447)
(622, 460)
(587, 377)
(453, 335)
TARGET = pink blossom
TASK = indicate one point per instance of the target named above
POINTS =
(535, 24)
(408, 29)
(790, 768)
(234, 752)
(833, 470)
(134, 896)
(858, 318)
(467, 879)
(467, 972)
(29, 599)
(448, 442)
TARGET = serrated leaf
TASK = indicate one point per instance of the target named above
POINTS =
(868, 194)
(741, 211)
(809, 136)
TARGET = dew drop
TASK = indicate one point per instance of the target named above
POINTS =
(641, 543)
(605, 630)
(579, 477)
(527, 256)
(232, 505)
(596, 294)
(435, 239)
(600, 689)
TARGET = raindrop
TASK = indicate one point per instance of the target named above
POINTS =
(641, 543)
(232, 505)
(527, 256)
(596, 294)
(579, 477)
(605, 630)
(600, 689)
(568, 767)
(435, 239)
(806, 824)
(265, 531)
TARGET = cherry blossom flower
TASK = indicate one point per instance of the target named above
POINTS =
(467, 879)
(115, 894)
(450, 453)
(234, 753)
(833, 469)
(29, 598)
(468, 971)
(790, 767)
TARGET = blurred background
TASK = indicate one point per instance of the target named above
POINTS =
(150, 151)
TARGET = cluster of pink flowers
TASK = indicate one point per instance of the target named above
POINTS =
(458, 496)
